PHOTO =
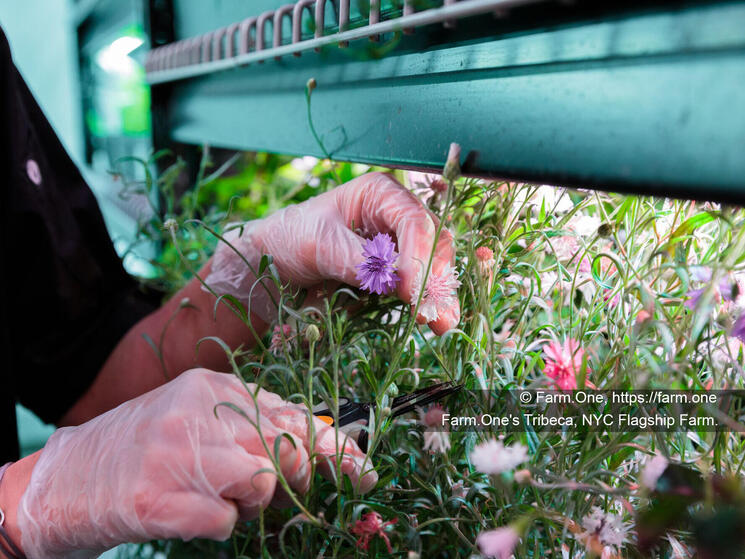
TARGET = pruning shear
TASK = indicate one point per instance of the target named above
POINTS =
(355, 416)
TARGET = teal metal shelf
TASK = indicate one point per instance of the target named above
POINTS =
(648, 100)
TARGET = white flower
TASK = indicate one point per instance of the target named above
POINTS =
(551, 197)
(436, 441)
(436, 437)
(492, 457)
(606, 527)
(584, 225)
(459, 489)
(304, 163)
(652, 471)
(565, 247)
(440, 293)
(724, 354)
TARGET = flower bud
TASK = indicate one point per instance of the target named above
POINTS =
(170, 224)
(312, 334)
(523, 476)
(452, 165)
(439, 186)
(605, 230)
(311, 84)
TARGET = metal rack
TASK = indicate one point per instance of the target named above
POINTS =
(245, 42)
(632, 96)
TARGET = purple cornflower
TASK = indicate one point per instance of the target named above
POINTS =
(377, 274)
(738, 330)
(728, 289)
(693, 296)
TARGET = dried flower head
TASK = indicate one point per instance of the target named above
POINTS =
(485, 259)
(439, 294)
(498, 543)
(370, 526)
(439, 186)
(377, 273)
(493, 457)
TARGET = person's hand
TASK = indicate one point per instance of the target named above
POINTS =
(322, 239)
(164, 465)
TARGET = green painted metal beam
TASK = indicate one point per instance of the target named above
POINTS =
(649, 101)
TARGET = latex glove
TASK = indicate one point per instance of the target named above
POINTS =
(164, 466)
(318, 240)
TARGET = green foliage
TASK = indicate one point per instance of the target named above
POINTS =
(607, 270)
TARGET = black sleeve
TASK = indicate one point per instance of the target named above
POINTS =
(67, 298)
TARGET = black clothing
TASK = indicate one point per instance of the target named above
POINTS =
(65, 299)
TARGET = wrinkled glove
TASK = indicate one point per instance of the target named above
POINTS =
(164, 466)
(322, 238)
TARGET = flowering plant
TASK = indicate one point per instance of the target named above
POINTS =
(559, 290)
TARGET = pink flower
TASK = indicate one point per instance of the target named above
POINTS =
(280, 338)
(499, 543)
(439, 294)
(612, 301)
(563, 362)
(433, 416)
(370, 526)
(426, 186)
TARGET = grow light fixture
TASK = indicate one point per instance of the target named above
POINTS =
(115, 59)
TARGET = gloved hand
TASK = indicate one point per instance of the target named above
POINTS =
(164, 466)
(322, 239)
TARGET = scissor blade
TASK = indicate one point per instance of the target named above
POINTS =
(422, 399)
(404, 398)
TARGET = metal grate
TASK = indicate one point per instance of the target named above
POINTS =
(245, 42)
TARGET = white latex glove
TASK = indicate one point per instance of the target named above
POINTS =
(322, 239)
(164, 466)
